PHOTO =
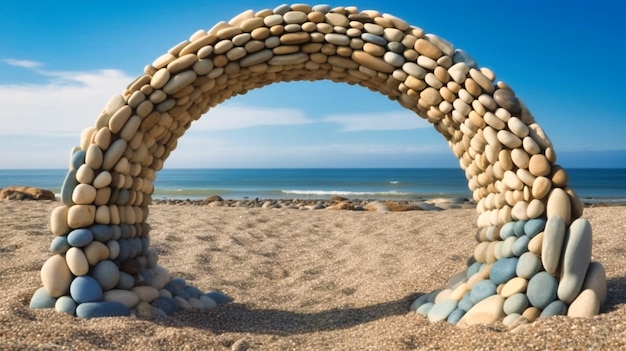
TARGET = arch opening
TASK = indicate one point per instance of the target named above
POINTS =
(532, 240)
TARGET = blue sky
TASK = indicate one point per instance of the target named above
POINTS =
(60, 62)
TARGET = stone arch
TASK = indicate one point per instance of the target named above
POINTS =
(533, 255)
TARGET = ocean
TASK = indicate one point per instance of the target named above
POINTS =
(591, 185)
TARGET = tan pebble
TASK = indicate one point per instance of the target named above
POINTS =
(458, 72)
(531, 313)
(56, 276)
(228, 32)
(487, 101)
(541, 187)
(250, 24)
(517, 127)
(493, 121)
(559, 176)
(586, 305)
(126, 297)
(430, 96)
(509, 139)
(102, 180)
(294, 38)
(96, 252)
(482, 80)
(297, 17)
(182, 63)
(336, 19)
(531, 146)
(85, 174)
(426, 62)
(203, 66)
(197, 44)
(372, 62)
(595, 279)
(539, 166)
(374, 50)
(290, 59)
(103, 216)
(486, 311)
(77, 261)
(520, 211)
(119, 118)
(146, 293)
(163, 60)
(535, 244)
(472, 87)
(520, 158)
(459, 292)
(512, 181)
(260, 33)
(83, 194)
(577, 206)
(443, 295)
(114, 153)
(536, 208)
(559, 205)
(58, 220)
(179, 81)
(424, 47)
(79, 216)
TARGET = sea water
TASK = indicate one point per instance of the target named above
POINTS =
(591, 185)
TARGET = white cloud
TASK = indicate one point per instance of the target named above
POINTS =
(67, 103)
(401, 120)
(22, 63)
(234, 116)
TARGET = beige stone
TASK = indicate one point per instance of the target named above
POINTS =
(595, 279)
(486, 311)
(559, 205)
(96, 252)
(586, 305)
(127, 298)
(541, 187)
(146, 293)
(79, 216)
(58, 220)
(56, 276)
(77, 261)
(514, 286)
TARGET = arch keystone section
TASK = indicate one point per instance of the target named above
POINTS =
(530, 231)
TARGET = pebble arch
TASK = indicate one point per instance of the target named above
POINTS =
(101, 227)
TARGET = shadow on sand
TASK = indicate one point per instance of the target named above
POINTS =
(240, 318)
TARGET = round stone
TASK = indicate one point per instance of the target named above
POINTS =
(534, 226)
(514, 286)
(425, 308)
(106, 273)
(516, 303)
(486, 311)
(586, 305)
(146, 293)
(455, 316)
(576, 258)
(166, 304)
(85, 289)
(503, 270)
(41, 299)
(559, 205)
(507, 100)
(102, 309)
(79, 237)
(441, 310)
(59, 245)
(520, 246)
(482, 290)
(528, 265)
(539, 166)
(125, 281)
(96, 252)
(77, 261)
(79, 216)
(125, 297)
(541, 290)
(555, 308)
(596, 281)
(66, 304)
(553, 238)
(56, 276)
(67, 189)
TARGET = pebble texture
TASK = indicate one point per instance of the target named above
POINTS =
(529, 226)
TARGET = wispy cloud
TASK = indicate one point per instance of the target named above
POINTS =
(22, 63)
(236, 116)
(377, 121)
(65, 103)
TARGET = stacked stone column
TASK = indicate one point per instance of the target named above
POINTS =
(533, 256)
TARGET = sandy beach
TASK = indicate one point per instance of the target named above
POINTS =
(300, 280)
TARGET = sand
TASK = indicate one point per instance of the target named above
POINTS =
(301, 280)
